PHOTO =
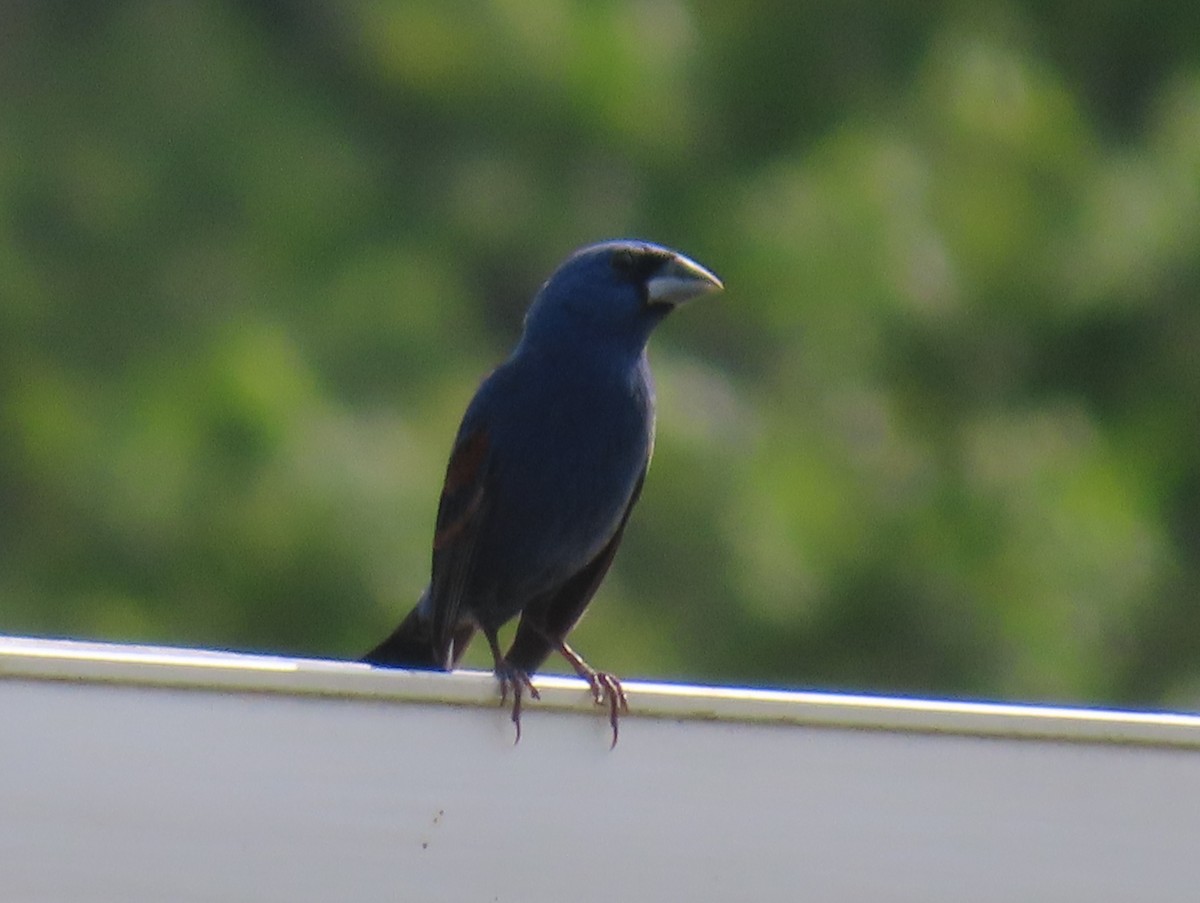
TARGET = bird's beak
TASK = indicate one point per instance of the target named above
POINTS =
(678, 280)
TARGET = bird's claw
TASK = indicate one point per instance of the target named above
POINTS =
(520, 682)
(606, 689)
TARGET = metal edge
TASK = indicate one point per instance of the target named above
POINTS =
(215, 671)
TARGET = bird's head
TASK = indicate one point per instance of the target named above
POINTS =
(614, 294)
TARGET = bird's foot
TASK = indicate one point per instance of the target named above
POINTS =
(520, 682)
(606, 688)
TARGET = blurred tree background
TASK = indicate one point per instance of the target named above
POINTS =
(941, 434)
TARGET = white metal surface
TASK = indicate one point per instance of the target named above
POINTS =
(134, 773)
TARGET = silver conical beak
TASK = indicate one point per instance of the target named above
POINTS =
(680, 279)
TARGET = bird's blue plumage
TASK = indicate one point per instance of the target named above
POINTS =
(547, 464)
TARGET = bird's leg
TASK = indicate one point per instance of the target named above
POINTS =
(605, 687)
(510, 676)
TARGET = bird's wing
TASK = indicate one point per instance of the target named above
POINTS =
(461, 509)
(547, 620)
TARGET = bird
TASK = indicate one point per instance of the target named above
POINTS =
(546, 467)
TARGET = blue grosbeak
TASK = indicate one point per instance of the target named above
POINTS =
(547, 465)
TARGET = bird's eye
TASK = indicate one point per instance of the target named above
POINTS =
(624, 263)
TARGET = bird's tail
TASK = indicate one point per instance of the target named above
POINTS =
(409, 646)
(413, 645)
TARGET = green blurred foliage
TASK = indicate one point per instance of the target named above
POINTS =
(941, 434)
